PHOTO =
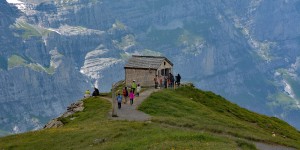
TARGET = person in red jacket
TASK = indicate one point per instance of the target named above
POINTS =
(131, 96)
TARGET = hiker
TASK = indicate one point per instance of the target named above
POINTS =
(171, 79)
(160, 82)
(155, 81)
(178, 78)
(133, 86)
(125, 94)
(131, 96)
(119, 100)
(96, 92)
(87, 94)
(165, 81)
(138, 90)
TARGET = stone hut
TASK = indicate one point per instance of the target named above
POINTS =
(143, 69)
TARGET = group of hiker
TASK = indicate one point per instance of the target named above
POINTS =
(167, 81)
(135, 90)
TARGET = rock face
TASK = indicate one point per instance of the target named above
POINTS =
(73, 108)
(55, 123)
(52, 51)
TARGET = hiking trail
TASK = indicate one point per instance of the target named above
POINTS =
(130, 112)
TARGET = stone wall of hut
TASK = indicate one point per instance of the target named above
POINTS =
(144, 77)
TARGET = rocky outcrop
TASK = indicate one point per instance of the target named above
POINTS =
(73, 108)
(55, 123)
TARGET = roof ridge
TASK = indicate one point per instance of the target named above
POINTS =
(148, 56)
(154, 62)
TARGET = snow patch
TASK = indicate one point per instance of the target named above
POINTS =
(20, 5)
(288, 89)
(14, 1)
(93, 67)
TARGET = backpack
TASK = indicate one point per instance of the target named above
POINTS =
(125, 92)
(119, 98)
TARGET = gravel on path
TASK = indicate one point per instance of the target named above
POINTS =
(130, 112)
(265, 146)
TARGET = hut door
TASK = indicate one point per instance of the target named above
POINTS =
(165, 72)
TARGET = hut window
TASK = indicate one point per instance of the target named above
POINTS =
(164, 63)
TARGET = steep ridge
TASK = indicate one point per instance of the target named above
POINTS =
(185, 118)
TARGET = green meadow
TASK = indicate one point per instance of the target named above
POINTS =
(185, 118)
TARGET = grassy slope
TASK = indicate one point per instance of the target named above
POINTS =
(183, 119)
(205, 111)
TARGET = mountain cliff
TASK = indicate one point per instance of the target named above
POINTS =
(53, 50)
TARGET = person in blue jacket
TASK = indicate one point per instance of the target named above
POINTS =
(119, 100)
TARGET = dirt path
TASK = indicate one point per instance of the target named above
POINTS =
(130, 112)
(264, 146)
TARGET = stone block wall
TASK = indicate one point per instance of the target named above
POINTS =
(144, 77)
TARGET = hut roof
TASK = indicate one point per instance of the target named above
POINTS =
(146, 62)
